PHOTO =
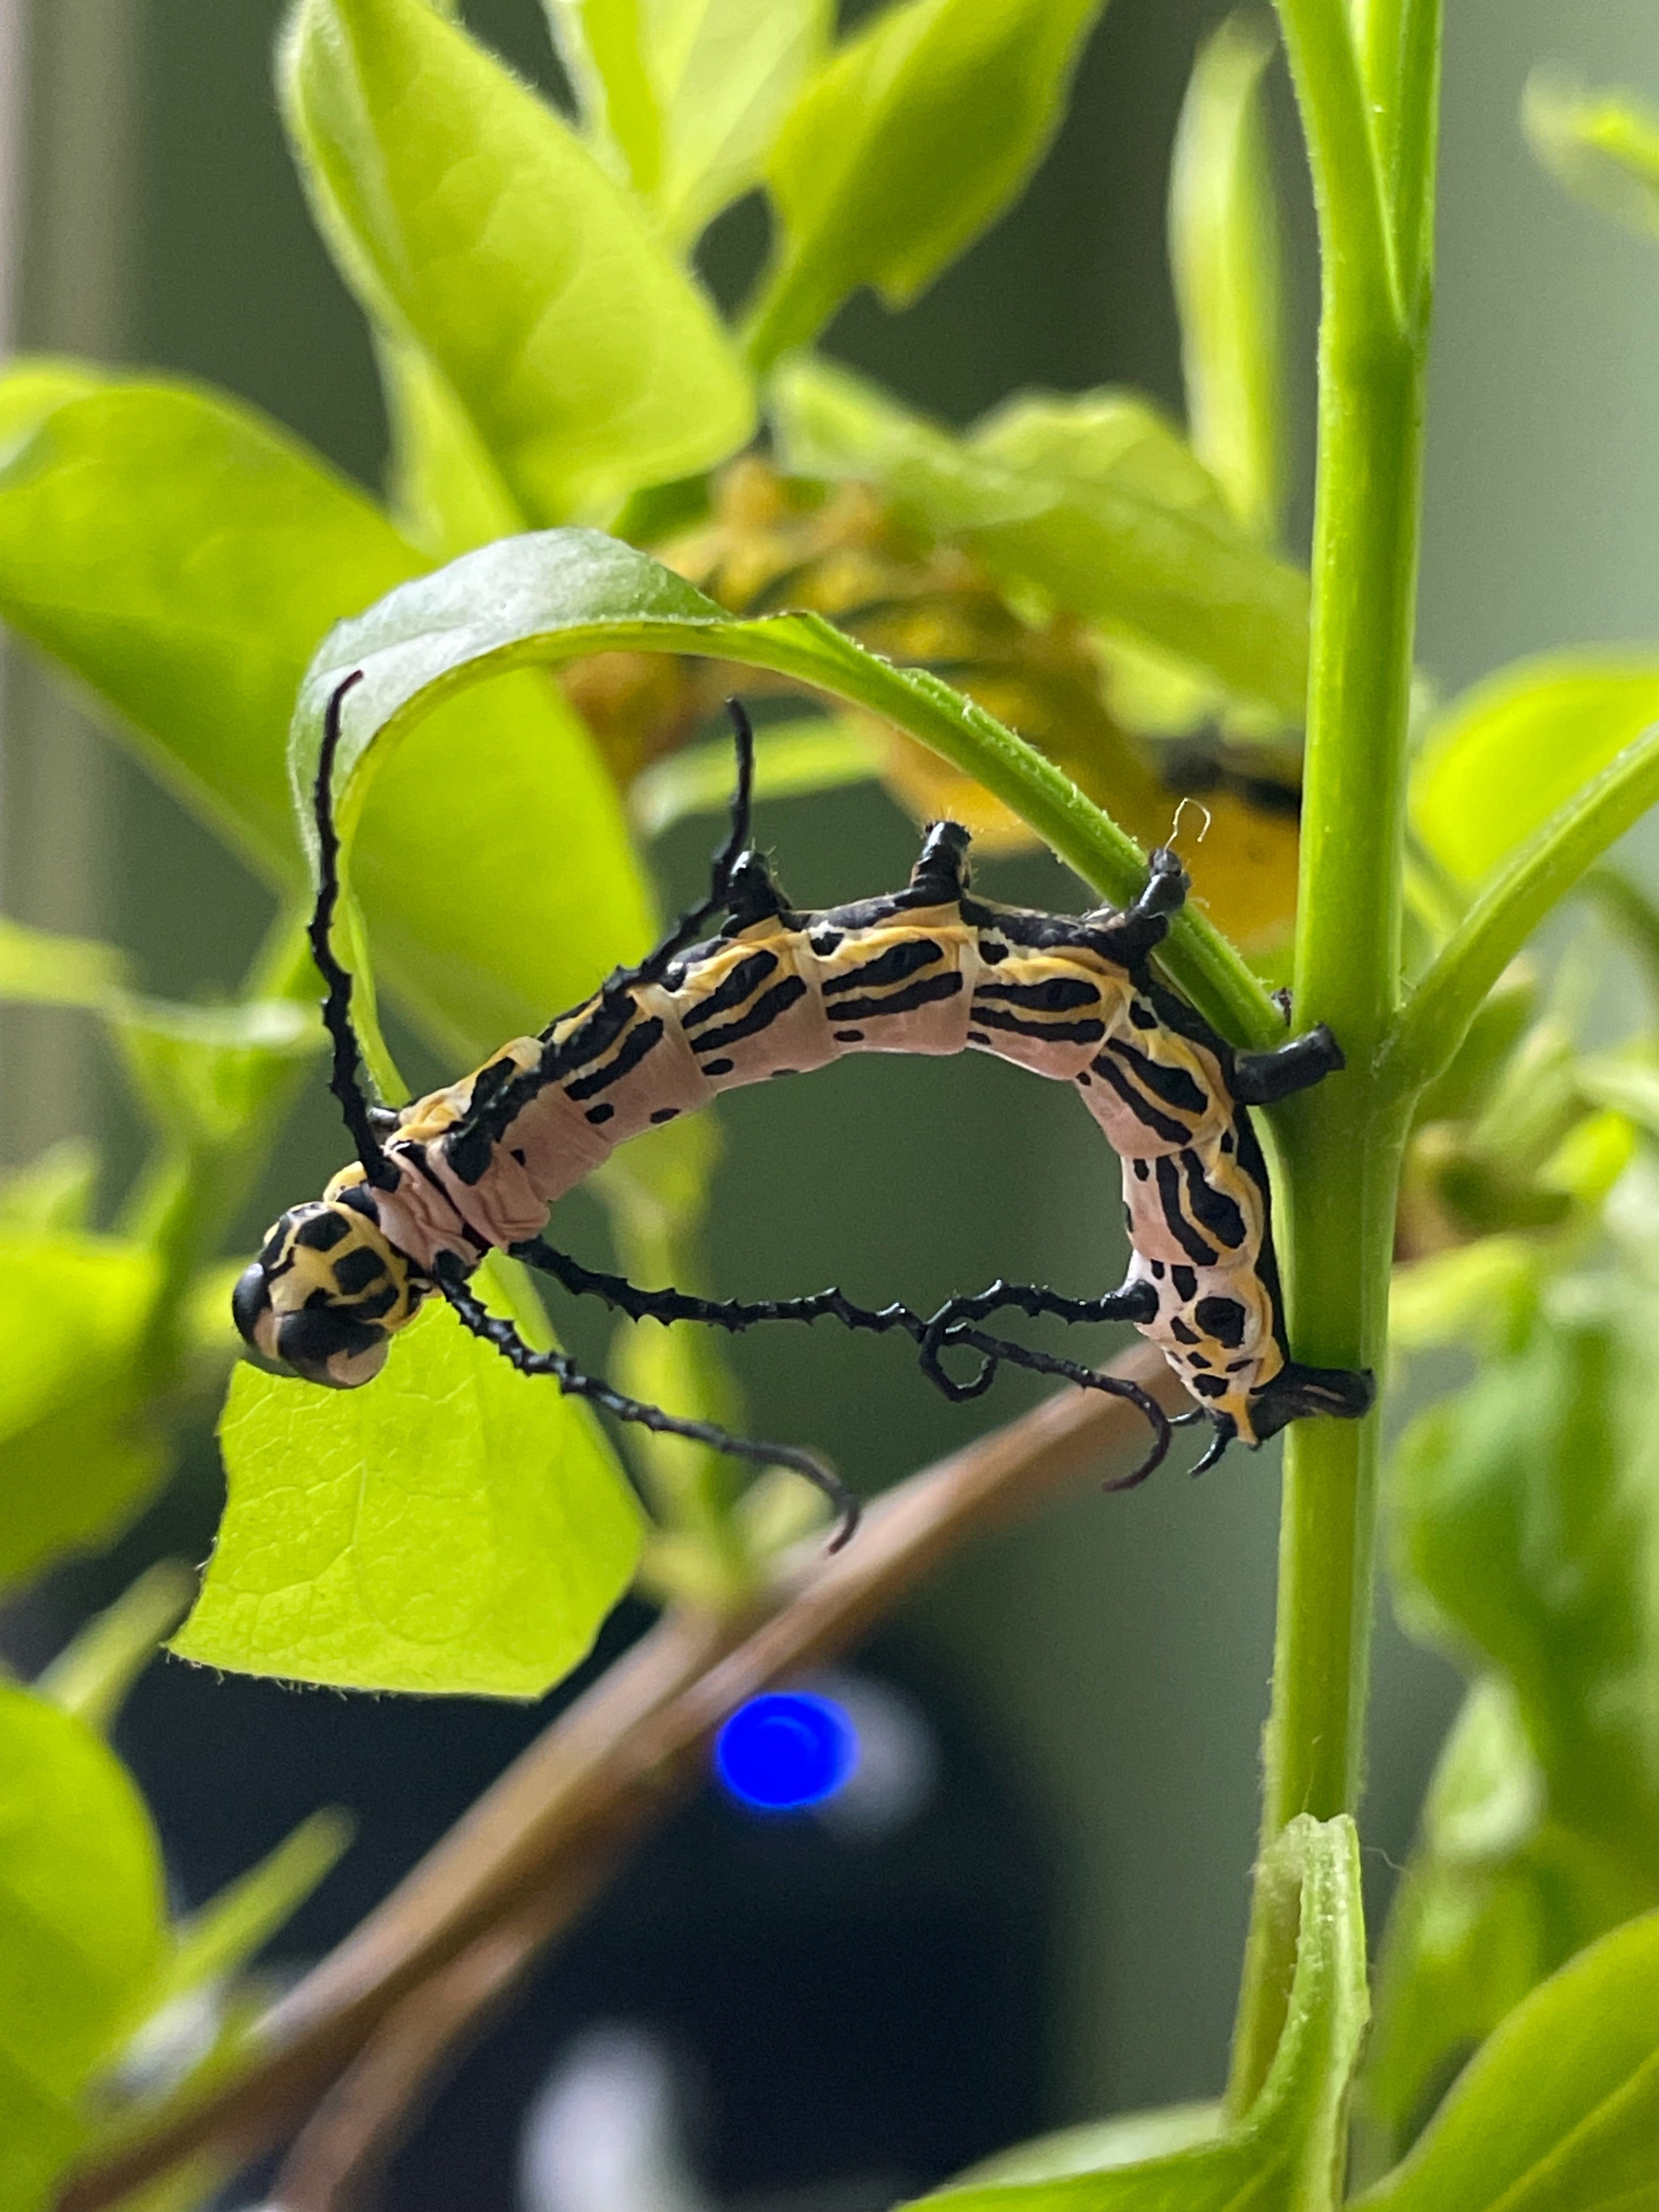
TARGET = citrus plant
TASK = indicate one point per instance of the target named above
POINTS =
(604, 496)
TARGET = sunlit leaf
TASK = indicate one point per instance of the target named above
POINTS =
(1224, 253)
(452, 1526)
(1095, 502)
(81, 1923)
(474, 221)
(183, 558)
(76, 1457)
(446, 493)
(687, 95)
(1288, 2149)
(1098, 2146)
(562, 593)
(37, 967)
(912, 136)
(1603, 146)
(1559, 2112)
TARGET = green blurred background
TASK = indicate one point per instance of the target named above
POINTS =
(1118, 1648)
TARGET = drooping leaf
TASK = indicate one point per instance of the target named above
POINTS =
(80, 1929)
(1095, 502)
(686, 96)
(914, 135)
(473, 220)
(1559, 2111)
(558, 593)
(76, 1456)
(1287, 2150)
(92, 1675)
(451, 1528)
(1603, 146)
(1098, 2146)
(183, 558)
(1224, 254)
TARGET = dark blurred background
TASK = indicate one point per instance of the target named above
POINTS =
(1053, 1929)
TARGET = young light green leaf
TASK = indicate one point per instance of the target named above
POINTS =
(1579, 737)
(452, 1528)
(1095, 502)
(1559, 2111)
(474, 221)
(92, 1675)
(1100, 2145)
(551, 596)
(1603, 146)
(1223, 255)
(445, 491)
(1287, 2151)
(792, 759)
(909, 141)
(80, 1929)
(203, 1072)
(37, 967)
(686, 96)
(1515, 748)
(76, 1457)
(224, 1935)
(183, 557)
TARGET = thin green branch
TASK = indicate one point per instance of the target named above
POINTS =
(1337, 120)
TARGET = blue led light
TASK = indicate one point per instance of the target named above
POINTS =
(785, 1751)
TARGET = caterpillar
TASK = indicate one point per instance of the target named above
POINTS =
(476, 1167)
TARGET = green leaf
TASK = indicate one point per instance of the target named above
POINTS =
(1287, 2150)
(791, 760)
(76, 1457)
(562, 593)
(1559, 2111)
(54, 1190)
(183, 557)
(452, 1527)
(223, 1935)
(1531, 777)
(473, 221)
(1223, 255)
(80, 1929)
(92, 1675)
(1603, 146)
(906, 142)
(445, 491)
(685, 97)
(1515, 748)
(1095, 502)
(40, 967)
(1525, 1527)
(203, 1071)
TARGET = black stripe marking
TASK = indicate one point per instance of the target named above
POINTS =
(920, 993)
(760, 1016)
(995, 1017)
(1169, 1191)
(1222, 1318)
(643, 1038)
(1212, 1208)
(740, 986)
(1184, 1281)
(889, 966)
(1173, 1133)
(604, 1111)
(1173, 1085)
(1059, 994)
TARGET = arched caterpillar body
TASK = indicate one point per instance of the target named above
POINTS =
(929, 969)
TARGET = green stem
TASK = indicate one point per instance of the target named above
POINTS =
(1340, 1145)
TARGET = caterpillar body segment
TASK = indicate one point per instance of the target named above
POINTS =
(929, 969)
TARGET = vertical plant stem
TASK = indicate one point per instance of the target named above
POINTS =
(1341, 1145)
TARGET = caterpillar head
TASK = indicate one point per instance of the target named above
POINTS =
(1296, 1392)
(325, 1294)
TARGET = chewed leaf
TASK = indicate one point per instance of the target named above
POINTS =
(473, 219)
(453, 1527)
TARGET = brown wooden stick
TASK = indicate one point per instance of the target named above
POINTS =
(611, 1766)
